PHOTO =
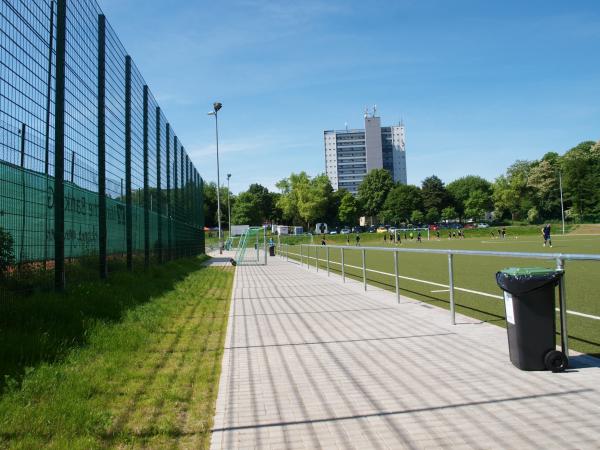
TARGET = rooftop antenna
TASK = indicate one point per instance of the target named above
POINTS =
(346, 125)
(374, 110)
(366, 112)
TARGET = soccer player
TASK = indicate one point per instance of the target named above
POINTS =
(357, 239)
(419, 237)
(546, 234)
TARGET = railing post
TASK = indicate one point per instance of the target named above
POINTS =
(327, 252)
(451, 288)
(265, 243)
(317, 258)
(396, 277)
(301, 260)
(343, 268)
(564, 333)
(364, 269)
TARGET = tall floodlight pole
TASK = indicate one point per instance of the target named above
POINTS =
(562, 207)
(216, 107)
(228, 205)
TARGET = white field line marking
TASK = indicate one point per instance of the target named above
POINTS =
(470, 291)
(441, 290)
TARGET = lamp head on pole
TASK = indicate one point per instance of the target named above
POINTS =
(228, 176)
(217, 106)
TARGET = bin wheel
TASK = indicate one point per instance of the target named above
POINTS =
(556, 361)
(233, 263)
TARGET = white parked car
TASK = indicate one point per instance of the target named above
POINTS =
(483, 225)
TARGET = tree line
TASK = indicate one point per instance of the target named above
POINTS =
(527, 191)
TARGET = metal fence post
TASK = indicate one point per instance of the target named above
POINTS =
(59, 147)
(564, 332)
(176, 225)
(396, 277)
(47, 131)
(128, 196)
(168, 196)
(327, 251)
(23, 193)
(265, 243)
(317, 258)
(451, 288)
(159, 243)
(301, 260)
(343, 268)
(102, 145)
(146, 183)
(364, 269)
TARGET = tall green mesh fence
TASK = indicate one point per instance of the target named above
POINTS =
(77, 116)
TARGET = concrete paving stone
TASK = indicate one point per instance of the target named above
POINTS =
(311, 362)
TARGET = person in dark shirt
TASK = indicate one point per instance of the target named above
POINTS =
(547, 236)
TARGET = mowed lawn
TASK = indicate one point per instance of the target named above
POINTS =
(477, 273)
(147, 379)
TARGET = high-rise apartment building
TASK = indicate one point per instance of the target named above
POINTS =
(351, 154)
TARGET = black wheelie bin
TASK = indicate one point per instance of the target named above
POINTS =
(529, 303)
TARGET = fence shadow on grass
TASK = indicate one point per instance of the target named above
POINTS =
(42, 327)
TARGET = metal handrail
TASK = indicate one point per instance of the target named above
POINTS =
(554, 256)
(560, 259)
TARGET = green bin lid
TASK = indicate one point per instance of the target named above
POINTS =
(527, 271)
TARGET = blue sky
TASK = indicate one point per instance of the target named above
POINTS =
(478, 84)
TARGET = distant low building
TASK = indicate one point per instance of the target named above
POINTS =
(351, 154)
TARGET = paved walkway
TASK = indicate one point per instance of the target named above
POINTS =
(314, 363)
(217, 259)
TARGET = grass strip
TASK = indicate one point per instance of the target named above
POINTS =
(143, 373)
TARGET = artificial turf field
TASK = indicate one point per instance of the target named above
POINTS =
(477, 273)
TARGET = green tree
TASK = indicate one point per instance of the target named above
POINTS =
(581, 179)
(333, 206)
(533, 215)
(461, 189)
(373, 191)
(449, 213)
(304, 200)
(543, 185)
(477, 204)
(400, 202)
(264, 201)
(313, 204)
(434, 193)
(348, 212)
(210, 204)
(246, 210)
(511, 194)
(417, 217)
(432, 215)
